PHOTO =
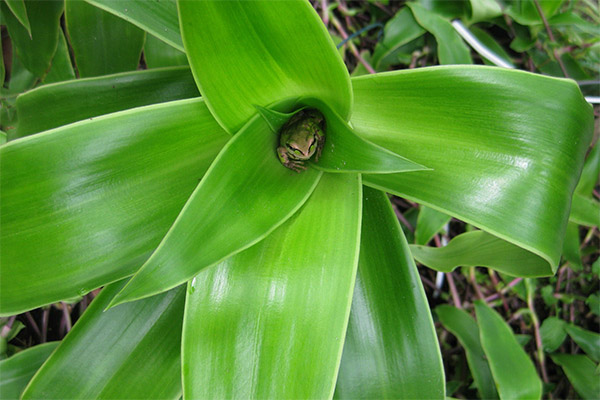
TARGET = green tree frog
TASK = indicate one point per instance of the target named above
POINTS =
(300, 138)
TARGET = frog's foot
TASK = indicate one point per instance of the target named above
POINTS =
(295, 165)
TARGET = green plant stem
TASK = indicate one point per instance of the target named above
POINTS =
(551, 36)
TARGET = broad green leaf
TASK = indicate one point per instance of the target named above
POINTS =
(86, 204)
(17, 7)
(398, 31)
(525, 12)
(270, 322)
(391, 349)
(35, 50)
(585, 210)
(451, 48)
(582, 374)
(261, 53)
(588, 341)
(60, 68)
(345, 151)
(590, 173)
(464, 327)
(51, 106)
(553, 333)
(159, 54)
(429, 223)
(572, 20)
(135, 352)
(479, 248)
(571, 251)
(504, 354)
(244, 196)
(158, 18)
(505, 147)
(484, 10)
(102, 43)
(17, 371)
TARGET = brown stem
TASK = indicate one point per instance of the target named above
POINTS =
(351, 45)
(551, 36)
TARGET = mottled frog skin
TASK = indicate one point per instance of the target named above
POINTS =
(300, 138)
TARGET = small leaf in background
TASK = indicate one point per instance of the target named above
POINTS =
(588, 341)
(451, 48)
(553, 333)
(102, 43)
(571, 246)
(582, 373)
(429, 223)
(464, 327)
(398, 31)
(159, 54)
(504, 353)
(244, 196)
(17, 371)
(593, 302)
(36, 50)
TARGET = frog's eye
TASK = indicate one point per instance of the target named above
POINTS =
(294, 150)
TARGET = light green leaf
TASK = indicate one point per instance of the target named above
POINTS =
(585, 211)
(86, 204)
(484, 10)
(391, 348)
(479, 248)
(261, 53)
(581, 372)
(553, 333)
(501, 144)
(17, 7)
(51, 106)
(159, 54)
(17, 371)
(429, 223)
(345, 151)
(571, 246)
(451, 48)
(270, 322)
(590, 173)
(504, 354)
(588, 341)
(158, 18)
(464, 327)
(102, 43)
(35, 50)
(60, 68)
(135, 351)
(244, 196)
(525, 12)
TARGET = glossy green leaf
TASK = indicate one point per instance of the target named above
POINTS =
(132, 352)
(158, 18)
(571, 251)
(588, 341)
(102, 43)
(585, 210)
(581, 372)
(479, 248)
(345, 151)
(159, 54)
(243, 197)
(451, 48)
(36, 49)
(464, 327)
(504, 354)
(270, 322)
(553, 333)
(17, 371)
(17, 7)
(51, 106)
(246, 53)
(429, 223)
(391, 348)
(501, 144)
(86, 204)
(398, 31)
(60, 68)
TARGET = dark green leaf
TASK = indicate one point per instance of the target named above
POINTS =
(61, 68)
(553, 333)
(588, 341)
(429, 223)
(398, 31)
(17, 7)
(159, 54)
(582, 374)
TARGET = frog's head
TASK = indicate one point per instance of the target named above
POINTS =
(303, 145)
